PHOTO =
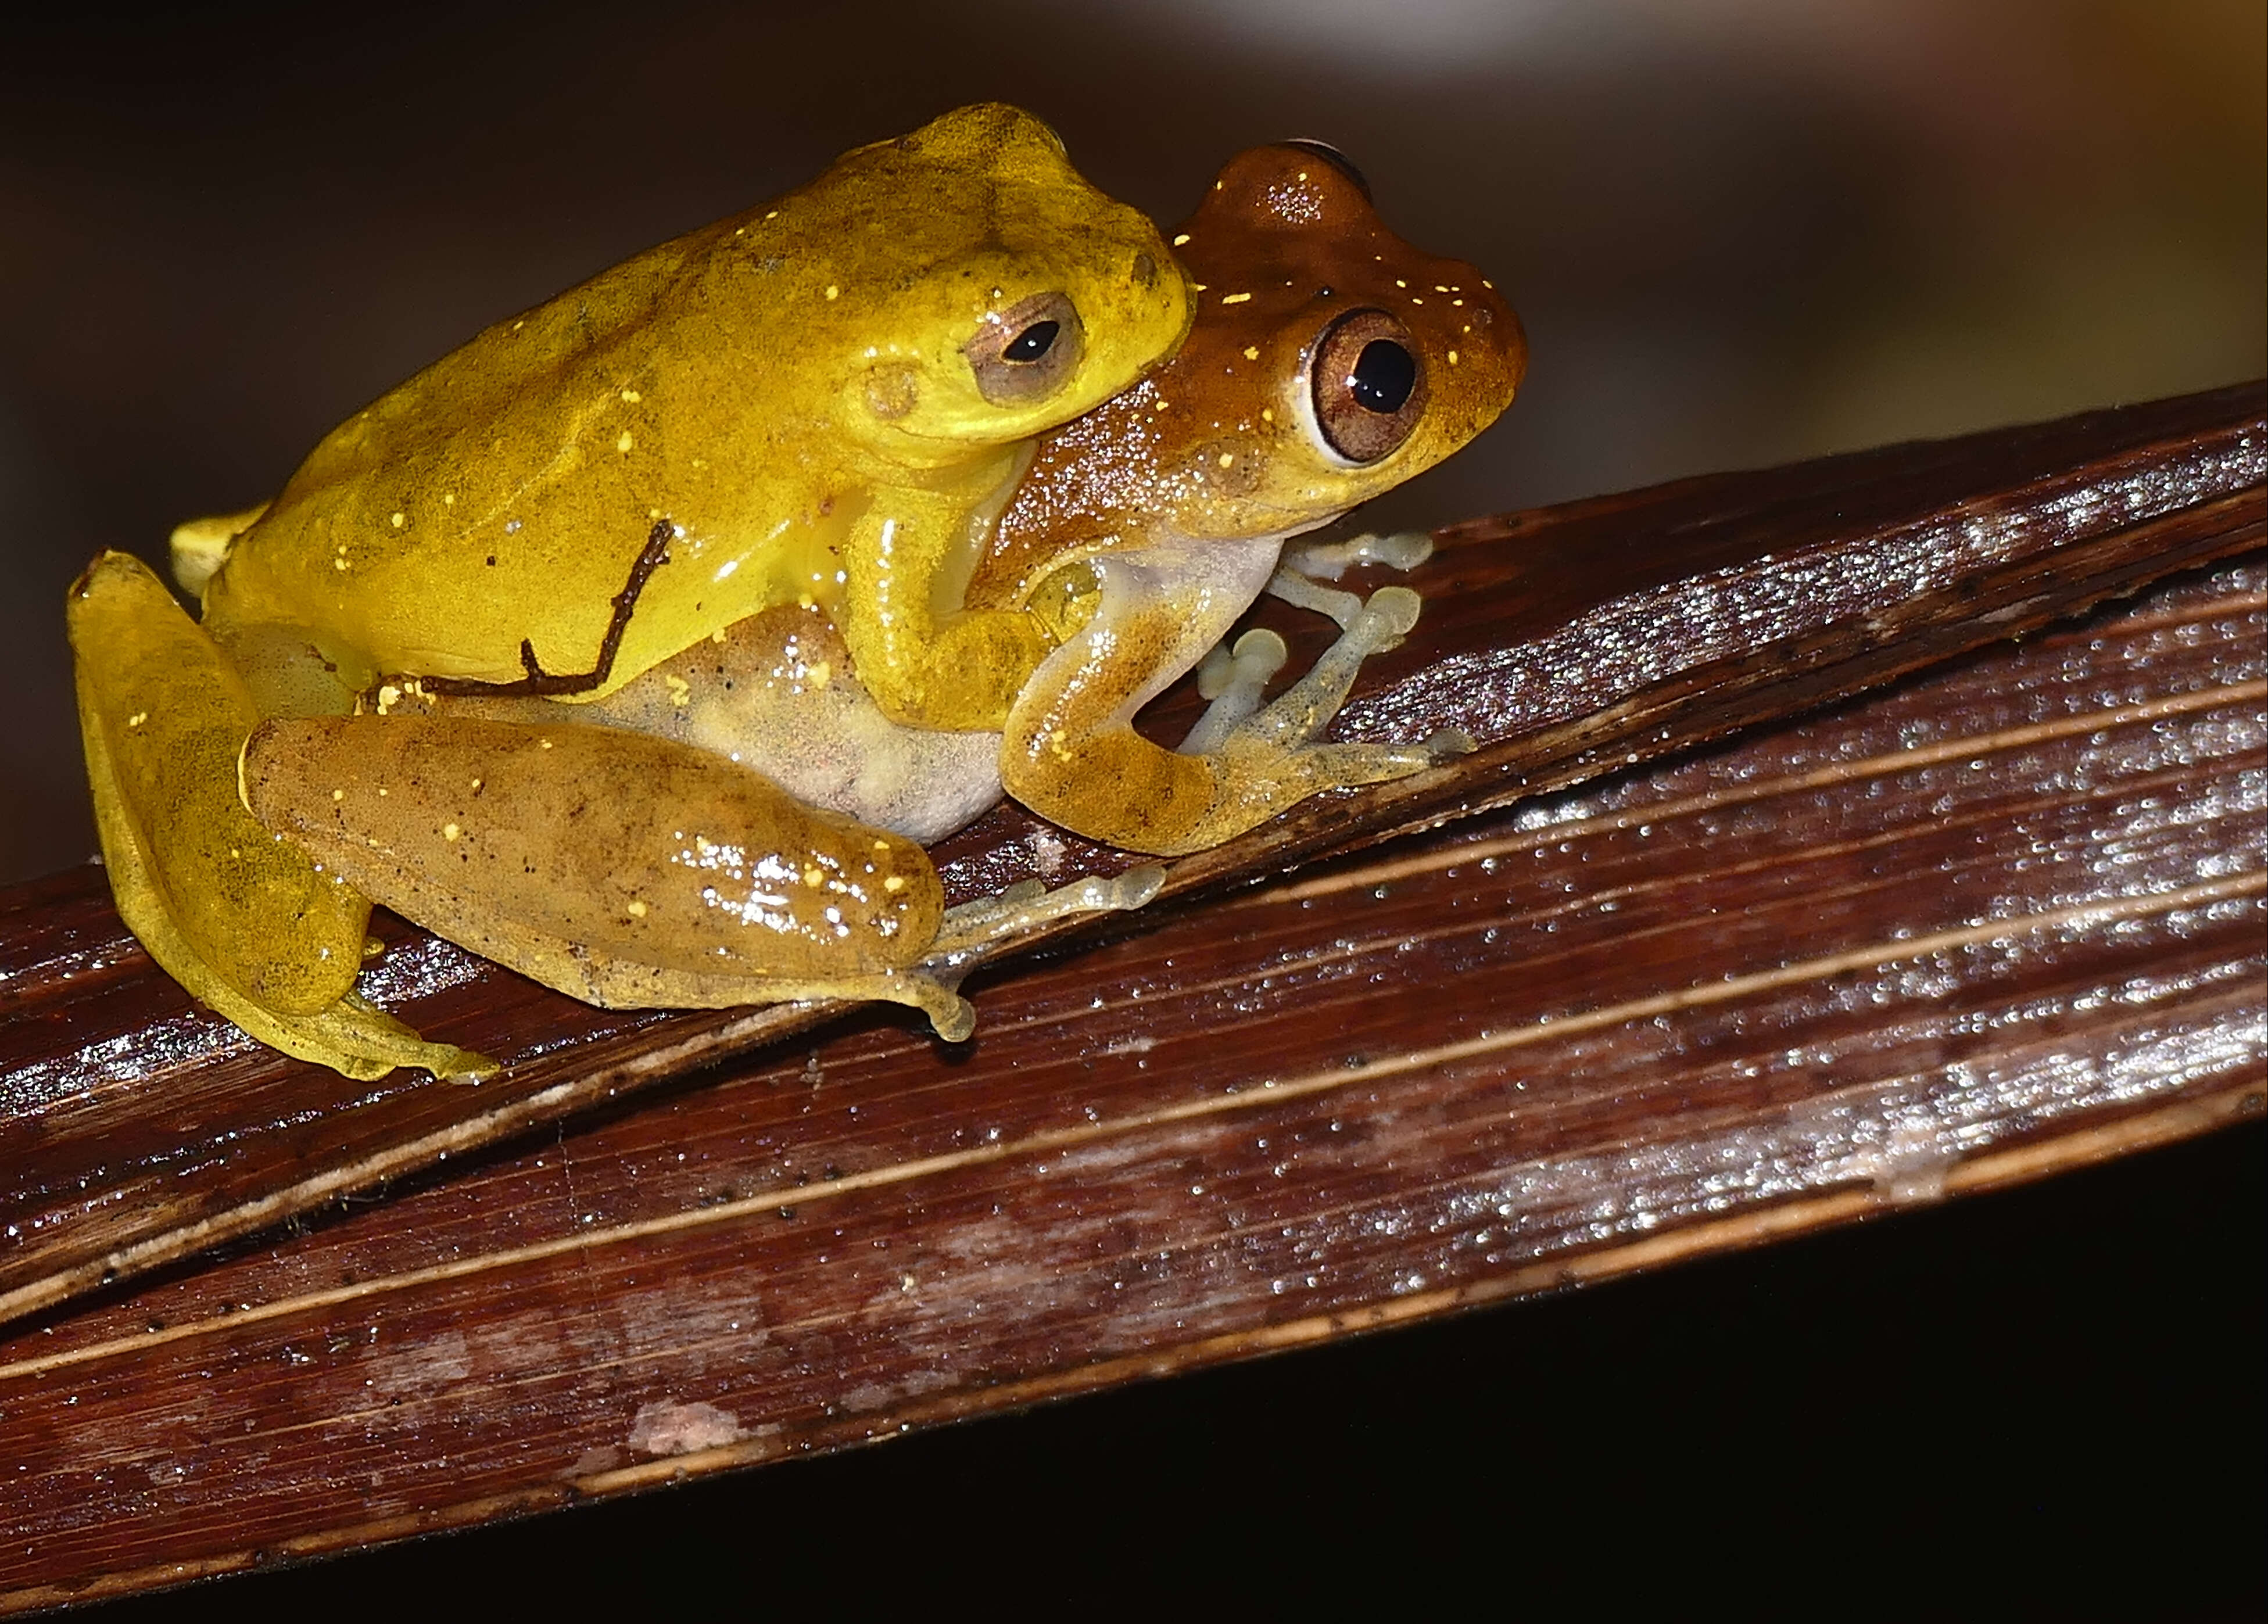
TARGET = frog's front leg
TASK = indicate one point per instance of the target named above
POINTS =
(627, 871)
(1299, 579)
(1071, 752)
(249, 924)
(926, 659)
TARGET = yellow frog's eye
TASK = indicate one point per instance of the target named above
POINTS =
(1368, 384)
(1027, 351)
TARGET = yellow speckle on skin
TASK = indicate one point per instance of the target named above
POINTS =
(1268, 414)
(625, 443)
(1452, 357)
(1179, 240)
(717, 636)
(819, 674)
(1234, 299)
(450, 831)
(138, 718)
(1252, 352)
(338, 563)
(541, 744)
(448, 498)
(895, 882)
(1227, 458)
(832, 290)
(813, 877)
(388, 697)
(680, 691)
(338, 795)
(636, 909)
(476, 786)
(381, 788)
(400, 519)
(631, 397)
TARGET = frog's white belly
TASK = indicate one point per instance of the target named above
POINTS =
(776, 696)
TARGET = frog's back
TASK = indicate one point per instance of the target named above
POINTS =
(731, 397)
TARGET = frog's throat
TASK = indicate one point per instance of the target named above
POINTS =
(540, 683)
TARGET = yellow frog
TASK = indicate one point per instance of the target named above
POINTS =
(1329, 361)
(824, 401)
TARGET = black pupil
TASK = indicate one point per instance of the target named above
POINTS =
(1384, 374)
(1033, 341)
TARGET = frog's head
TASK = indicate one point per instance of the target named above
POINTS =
(976, 290)
(1328, 362)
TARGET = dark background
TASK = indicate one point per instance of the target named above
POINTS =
(1740, 231)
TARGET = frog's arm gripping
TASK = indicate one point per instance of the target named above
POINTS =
(1071, 752)
(627, 871)
(953, 669)
(245, 921)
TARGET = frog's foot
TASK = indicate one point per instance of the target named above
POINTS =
(1235, 680)
(1266, 755)
(1297, 715)
(1327, 561)
(972, 927)
(1297, 579)
(248, 924)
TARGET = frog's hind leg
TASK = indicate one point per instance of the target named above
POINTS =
(627, 871)
(246, 922)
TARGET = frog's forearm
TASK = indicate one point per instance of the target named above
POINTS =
(953, 669)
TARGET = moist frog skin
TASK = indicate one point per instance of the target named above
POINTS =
(824, 400)
(1329, 361)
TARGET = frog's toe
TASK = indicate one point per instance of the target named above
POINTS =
(1235, 680)
(1327, 561)
(973, 926)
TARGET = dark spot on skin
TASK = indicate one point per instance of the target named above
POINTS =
(491, 560)
(1146, 270)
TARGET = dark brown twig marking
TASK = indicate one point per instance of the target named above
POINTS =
(543, 684)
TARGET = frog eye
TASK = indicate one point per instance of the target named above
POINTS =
(1332, 155)
(1027, 351)
(1368, 385)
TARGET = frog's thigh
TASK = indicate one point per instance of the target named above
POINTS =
(627, 871)
(245, 922)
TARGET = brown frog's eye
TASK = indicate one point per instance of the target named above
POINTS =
(1027, 351)
(1332, 155)
(1369, 384)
